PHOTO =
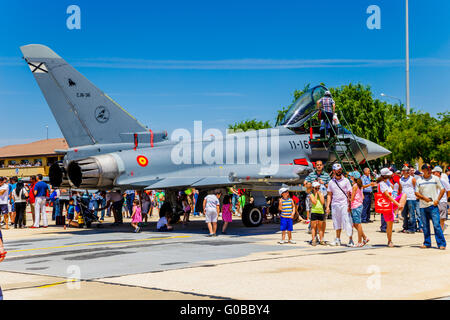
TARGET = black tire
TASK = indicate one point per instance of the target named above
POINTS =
(252, 216)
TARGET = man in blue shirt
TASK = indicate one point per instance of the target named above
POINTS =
(40, 192)
(367, 191)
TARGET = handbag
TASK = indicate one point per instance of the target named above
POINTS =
(382, 203)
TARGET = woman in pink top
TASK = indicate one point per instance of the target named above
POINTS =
(357, 206)
(137, 216)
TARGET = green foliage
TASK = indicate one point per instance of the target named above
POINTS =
(250, 125)
(421, 135)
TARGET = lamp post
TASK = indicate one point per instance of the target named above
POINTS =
(392, 97)
(47, 130)
(407, 58)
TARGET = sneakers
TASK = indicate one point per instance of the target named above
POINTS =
(336, 242)
(351, 244)
(282, 241)
(292, 242)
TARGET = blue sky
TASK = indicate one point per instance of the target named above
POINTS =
(172, 62)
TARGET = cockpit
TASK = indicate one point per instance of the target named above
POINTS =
(303, 108)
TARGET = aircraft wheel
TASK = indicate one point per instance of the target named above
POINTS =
(252, 216)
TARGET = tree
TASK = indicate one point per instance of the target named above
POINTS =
(250, 125)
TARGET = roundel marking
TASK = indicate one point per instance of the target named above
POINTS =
(142, 161)
(102, 114)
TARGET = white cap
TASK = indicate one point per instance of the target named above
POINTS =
(315, 184)
(336, 166)
(385, 172)
(283, 190)
(437, 169)
(327, 93)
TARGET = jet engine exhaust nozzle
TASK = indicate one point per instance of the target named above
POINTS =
(94, 172)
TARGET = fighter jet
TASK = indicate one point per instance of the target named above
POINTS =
(110, 149)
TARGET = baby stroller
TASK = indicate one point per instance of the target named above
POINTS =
(87, 214)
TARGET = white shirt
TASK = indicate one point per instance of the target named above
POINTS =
(430, 188)
(408, 188)
(211, 202)
(339, 198)
(446, 185)
(4, 196)
(385, 187)
(161, 222)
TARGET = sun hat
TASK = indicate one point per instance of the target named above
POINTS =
(355, 174)
(385, 172)
(437, 169)
(283, 190)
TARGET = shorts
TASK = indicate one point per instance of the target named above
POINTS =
(3, 209)
(210, 215)
(356, 214)
(70, 216)
(317, 216)
(443, 211)
(286, 224)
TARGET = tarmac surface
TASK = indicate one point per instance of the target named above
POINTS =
(112, 262)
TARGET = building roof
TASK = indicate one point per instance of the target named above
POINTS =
(37, 148)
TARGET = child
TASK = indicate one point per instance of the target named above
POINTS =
(70, 214)
(186, 208)
(226, 212)
(136, 216)
(308, 204)
(163, 222)
(287, 210)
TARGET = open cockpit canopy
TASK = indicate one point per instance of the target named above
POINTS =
(303, 108)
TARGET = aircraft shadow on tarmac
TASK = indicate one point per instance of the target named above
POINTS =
(235, 229)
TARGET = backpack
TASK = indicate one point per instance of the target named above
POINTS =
(22, 195)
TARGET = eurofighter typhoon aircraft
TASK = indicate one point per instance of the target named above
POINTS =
(110, 149)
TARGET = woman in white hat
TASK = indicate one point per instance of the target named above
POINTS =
(385, 187)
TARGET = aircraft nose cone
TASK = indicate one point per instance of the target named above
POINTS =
(375, 151)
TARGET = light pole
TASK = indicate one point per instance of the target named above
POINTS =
(392, 97)
(47, 130)
(407, 60)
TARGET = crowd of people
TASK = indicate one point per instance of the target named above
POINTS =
(407, 195)
(416, 197)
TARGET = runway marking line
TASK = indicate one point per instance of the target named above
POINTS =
(56, 283)
(98, 243)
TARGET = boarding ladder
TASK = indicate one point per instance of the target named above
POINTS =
(342, 145)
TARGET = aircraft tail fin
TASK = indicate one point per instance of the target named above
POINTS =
(84, 113)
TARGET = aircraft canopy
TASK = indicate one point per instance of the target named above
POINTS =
(303, 108)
